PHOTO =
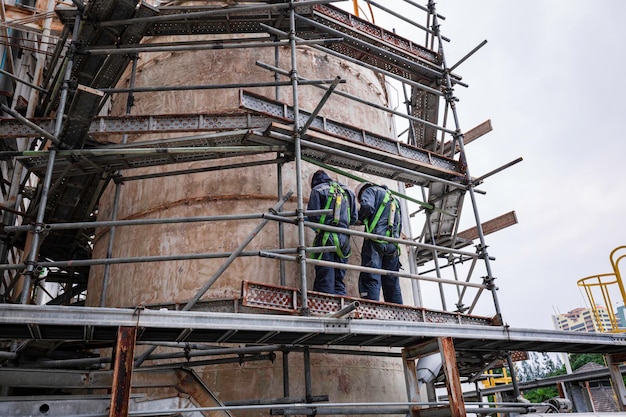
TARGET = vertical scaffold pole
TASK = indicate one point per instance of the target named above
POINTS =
(458, 141)
(298, 159)
(43, 200)
(118, 189)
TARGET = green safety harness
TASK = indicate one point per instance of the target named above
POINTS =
(369, 226)
(337, 195)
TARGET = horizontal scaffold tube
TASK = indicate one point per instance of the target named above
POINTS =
(374, 270)
(344, 231)
(160, 258)
(219, 11)
(168, 220)
(326, 408)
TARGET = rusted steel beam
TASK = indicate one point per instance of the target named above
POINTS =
(453, 379)
(122, 371)
(617, 379)
(412, 383)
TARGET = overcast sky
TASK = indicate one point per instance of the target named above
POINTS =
(549, 79)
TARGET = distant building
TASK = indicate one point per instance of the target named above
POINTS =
(592, 394)
(584, 320)
(621, 317)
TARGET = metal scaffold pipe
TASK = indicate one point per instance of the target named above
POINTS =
(167, 220)
(389, 74)
(233, 256)
(161, 258)
(222, 11)
(375, 271)
(358, 99)
(458, 139)
(219, 45)
(43, 199)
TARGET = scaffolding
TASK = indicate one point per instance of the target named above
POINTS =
(56, 163)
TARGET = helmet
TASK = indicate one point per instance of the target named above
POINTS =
(362, 186)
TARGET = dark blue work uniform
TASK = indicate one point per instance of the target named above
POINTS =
(380, 213)
(329, 194)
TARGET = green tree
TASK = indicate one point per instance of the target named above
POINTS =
(578, 360)
(539, 365)
(539, 395)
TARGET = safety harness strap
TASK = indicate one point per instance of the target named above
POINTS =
(369, 227)
(336, 194)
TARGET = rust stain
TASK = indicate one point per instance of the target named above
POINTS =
(190, 201)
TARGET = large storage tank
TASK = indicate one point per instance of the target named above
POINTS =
(344, 378)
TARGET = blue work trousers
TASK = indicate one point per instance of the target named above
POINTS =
(328, 279)
(381, 256)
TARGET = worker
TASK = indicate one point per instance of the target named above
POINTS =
(329, 194)
(380, 213)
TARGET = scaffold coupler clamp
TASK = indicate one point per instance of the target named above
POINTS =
(489, 282)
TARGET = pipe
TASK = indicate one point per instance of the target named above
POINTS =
(376, 271)
(118, 190)
(319, 106)
(354, 98)
(297, 141)
(223, 11)
(167, 220)
(233, 256)
(33, 86)
(458, 136)
(209, 86)
(344, 311)
(402, 17)
(43, 199)
(199, 46)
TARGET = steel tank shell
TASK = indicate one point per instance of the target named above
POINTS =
(352, 378)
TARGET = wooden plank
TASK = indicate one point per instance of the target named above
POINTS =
(471, 135)
(490, 226)
(478, 131)
(15, 15)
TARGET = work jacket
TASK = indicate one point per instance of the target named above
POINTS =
(380, 212)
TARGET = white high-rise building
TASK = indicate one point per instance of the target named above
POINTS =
(585, 320)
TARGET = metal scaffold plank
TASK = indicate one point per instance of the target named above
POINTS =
(104, 126)
(287, 299)
(111, 159)
(353, 135)
(67, 323)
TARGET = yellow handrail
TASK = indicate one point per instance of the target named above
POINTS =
(615, 265)
(602, 283)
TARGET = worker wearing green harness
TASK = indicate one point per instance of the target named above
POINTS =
(380, 213)
(328, 194)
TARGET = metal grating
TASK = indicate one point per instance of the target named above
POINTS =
(162, 123)
(266, 106)
(286, 299)
(382, 35)
(68, 164)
